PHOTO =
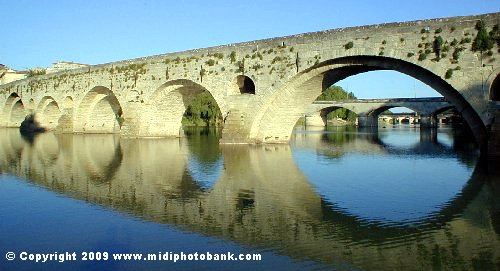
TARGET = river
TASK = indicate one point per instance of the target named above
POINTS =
(342, 198)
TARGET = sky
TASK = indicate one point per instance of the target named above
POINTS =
(37, 33)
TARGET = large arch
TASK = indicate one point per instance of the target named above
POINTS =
(48, 112)
(167, 105)
(275, 122)
(13, 111)
(99, 112)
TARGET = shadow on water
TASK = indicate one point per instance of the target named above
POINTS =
(260, 196)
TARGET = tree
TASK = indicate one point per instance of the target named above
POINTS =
(203, 111)
(483, 41)
(336, 93)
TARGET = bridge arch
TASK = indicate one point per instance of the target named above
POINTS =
(68, 102)
(243, 85)
(99, 112)
(48, 112)
(168, 103)
(14, 111)
(284, 106)
(320, 118)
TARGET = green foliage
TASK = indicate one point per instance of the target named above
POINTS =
(276, 59)
(402, 39)
(449, 74)
(36, 72)
(456, 53)
(241, 66)
(257, 67)
(439, 30)
(465, 40)
(495, 34)
(422, 56)
(210, 62)
(384, 42)
(452, 29)
(437, 46)
(336, 93)
(410, 54)
(483, 41)
(349, 45)
(232, 56)
(203, 111)
(217, 55)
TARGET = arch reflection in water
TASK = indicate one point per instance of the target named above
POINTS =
(261, 198)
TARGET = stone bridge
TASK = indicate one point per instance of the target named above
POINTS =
(261, 87)
(368, 110)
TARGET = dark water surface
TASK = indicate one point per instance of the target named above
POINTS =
(346, 199)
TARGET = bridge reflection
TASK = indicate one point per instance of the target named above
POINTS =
(260, 197)
(338, 141)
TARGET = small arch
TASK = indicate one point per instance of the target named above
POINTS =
(48, 112)
(409, 116)
(17, 115)
(455, 117)
(337, 115)
(168, 104)
(13, 111)
(495, 89)
(43, 103)
(68, 102)
(245, 84)
(99, 112)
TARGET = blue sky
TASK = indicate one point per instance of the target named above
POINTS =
(39, 32)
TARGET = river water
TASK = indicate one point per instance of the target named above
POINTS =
(396, 198)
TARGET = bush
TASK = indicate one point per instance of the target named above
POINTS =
(210, 62)
(448, 74)
(36, 72)
(422, 56)
(438, 45)
(232, 56)
(349, 45)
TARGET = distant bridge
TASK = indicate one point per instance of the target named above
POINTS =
(368, 110)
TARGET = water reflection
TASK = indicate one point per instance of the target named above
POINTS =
(323, 198)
